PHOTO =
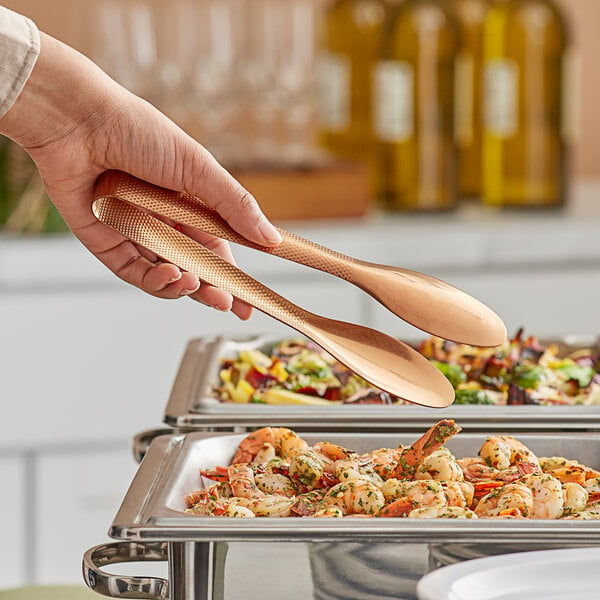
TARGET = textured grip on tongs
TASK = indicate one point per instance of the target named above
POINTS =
(189, 210)
(175, 247)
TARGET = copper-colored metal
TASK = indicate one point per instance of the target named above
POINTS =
(380, 359)
(424, 301)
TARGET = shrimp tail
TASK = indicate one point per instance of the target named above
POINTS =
(433, 439)
(216, 474)
(397, 508)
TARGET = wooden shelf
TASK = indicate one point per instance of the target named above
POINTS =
(314, 193)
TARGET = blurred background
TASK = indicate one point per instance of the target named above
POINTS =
(418, 105)
(454, 137)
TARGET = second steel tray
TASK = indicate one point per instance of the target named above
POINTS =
(192, 404)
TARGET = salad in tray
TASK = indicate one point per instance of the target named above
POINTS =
(520, 371)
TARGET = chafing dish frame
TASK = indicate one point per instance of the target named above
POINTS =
(152, 514)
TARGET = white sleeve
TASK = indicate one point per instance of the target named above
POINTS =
(19, 49)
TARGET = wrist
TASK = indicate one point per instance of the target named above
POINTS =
(64, 92)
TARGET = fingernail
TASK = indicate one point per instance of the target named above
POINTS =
(188, 292)
(269, 232)
(222, 307)
(175, 278)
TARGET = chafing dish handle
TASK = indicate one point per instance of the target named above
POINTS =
(120, 586)
(142, 441)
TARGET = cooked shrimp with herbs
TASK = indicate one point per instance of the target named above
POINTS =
(276, 473)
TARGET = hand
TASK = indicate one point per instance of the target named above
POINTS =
(76, 122)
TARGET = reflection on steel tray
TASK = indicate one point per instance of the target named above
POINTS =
(529, 382)
(153, 515)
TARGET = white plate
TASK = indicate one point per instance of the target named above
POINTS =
(547, 574)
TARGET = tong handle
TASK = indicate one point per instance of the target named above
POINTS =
(188, 210)
(177, 248)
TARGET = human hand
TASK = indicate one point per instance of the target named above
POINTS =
(76, 123)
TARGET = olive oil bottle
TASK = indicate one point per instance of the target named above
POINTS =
(469, 16)
(349, 42)
(524, 151)
(414, 158)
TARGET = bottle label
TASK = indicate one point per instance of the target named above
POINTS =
(501, 97)
(464, 74)
(393, 101)
(334, 91)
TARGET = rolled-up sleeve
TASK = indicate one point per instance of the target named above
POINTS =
(19, 49)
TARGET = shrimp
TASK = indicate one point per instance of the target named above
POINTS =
(352, 469)
(316, 465)
(333, 451)
(560, 464)
(407, 495)
(347, 465)
(397, 508)
(549, 463)
(442, 512)
(217, 491)
(272, 505)
(514, 473)
(242, 482)
(265, 454)
(504, 451)
(433, 439)
(440, 465)
(308, 468)
(385, 460)
(475, 468)
(592, 487)
(216, 473)
(593, 507)
(306, 504)
(264, 476)
(207, 502)
(354, 497)
(235, 509)
(548, 500)
(572, 474)
(275, 483)
(575, 498)
(510, 497)
(285, 442)
(458, 493)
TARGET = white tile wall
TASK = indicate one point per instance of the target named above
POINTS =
(101, 363)
(78, 493)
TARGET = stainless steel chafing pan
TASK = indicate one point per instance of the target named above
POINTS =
(192, 404)
(153, 513)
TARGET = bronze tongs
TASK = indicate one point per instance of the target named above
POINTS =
(383, 361)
